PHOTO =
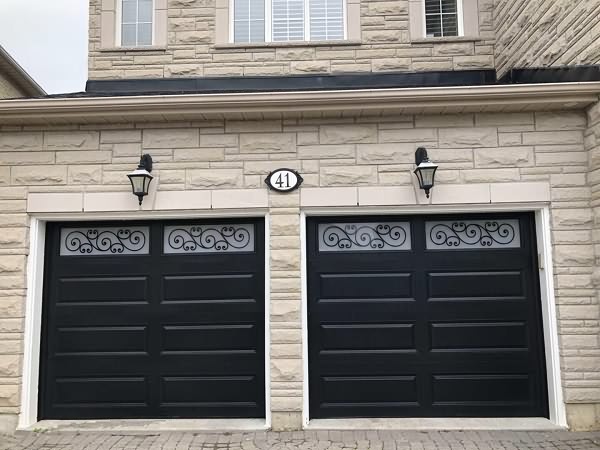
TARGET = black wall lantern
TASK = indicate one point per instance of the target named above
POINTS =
(425, 170)
(140, 178)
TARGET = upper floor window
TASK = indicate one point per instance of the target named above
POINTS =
(288, 20)
(136, 22)
(442, 18)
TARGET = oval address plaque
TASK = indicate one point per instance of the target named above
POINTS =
(284, 180)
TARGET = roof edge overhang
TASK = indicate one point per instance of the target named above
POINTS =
(421, 100)
(19, 75)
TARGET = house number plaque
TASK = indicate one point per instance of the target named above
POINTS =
(284, 180)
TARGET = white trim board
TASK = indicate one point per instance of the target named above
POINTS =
(28, 416)
(556, 403)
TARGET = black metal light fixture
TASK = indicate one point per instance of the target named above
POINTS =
(425, 170)
(140, 178)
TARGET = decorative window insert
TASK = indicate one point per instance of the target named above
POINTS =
(442, 18)
(104, 241)
(136, 23)
(472, 234)
(288, 20)
(361, 236)
(180, 239)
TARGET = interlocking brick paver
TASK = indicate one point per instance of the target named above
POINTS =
(309, 440)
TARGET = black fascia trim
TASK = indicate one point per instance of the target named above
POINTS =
(289, 83)
(537, 75)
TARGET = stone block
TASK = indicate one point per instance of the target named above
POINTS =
(85, 174)
(417, 137)
(199, 154)
(83, 157)
(171, 138)
(505, 157)
(55, 202)
(344, 196)
(560, 120)
(573, 255)
(385, 153)
(348, 175)
(39, 175)
(12, 263)
(267, 143)
(326, 151)
(264, 167)
(468, 137)
(285, 259)
(490, 175)
(21, 158)
(347, 134)
(288, 369)
(72, 140)
(552, 137)
(240, 198)
(133, 149)
(285, 310)
(251, 126)
(10, 141)
(285, 225)
(215, 178)
(571, 217)
(120, 136)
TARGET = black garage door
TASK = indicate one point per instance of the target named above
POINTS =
(153, 320)
(433, 316)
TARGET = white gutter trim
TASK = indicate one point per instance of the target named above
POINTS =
(423, 97)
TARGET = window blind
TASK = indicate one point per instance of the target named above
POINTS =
(326, 20)
(249, 21)
(288, 20)
(441, 18)
(136, 22)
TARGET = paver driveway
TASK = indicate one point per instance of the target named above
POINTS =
(309, 440)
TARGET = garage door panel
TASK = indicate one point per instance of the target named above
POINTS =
(209, 363)
(198, 287)
(481, 309)
(371, 336)
(91, 392)
(371, 285)
(481, 284)
(209, 390)
(491, 335)
(111, 289)
(208, 337)
(462, 316)
(367, 362)
(365, 310)
(481, 389)
(380, 390)
(124, 339)
(90, 365)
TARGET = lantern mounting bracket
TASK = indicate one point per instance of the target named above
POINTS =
(145, 162)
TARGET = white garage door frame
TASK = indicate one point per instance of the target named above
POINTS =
(544, 245)
(28, 416)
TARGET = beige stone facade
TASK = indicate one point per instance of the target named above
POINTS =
(8, 88)
(219, 166)
(543, 33)
(383, 43)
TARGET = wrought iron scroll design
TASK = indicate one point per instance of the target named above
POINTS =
(364, 236)
(209, 238)
(473, 234)
(104, 241)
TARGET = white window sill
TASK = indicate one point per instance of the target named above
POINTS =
(148, 48)
(287, 44)
(429, 40)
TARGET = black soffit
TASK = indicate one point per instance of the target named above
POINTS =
(215, 85)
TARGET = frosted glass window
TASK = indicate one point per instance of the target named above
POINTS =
(104, 241)
(326, 20)
(208, 239)
(472, 234)
(364, 236)
(441, 18)
(249, 21)
(136, 22)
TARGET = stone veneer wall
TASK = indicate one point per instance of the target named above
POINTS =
(542, 33)
(472, 149)
(8, 89)
(385, 46)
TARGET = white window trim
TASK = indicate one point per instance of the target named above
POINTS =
(269, 23)
(119, 25)
(459, 16)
